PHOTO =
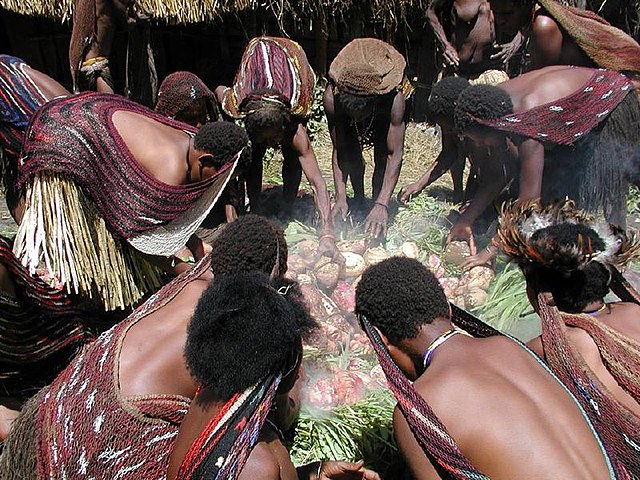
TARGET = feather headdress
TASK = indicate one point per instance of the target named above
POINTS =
(522, 236)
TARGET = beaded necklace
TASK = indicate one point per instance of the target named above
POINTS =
(428, 353)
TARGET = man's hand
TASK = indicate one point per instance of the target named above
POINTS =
(450, 55)
(483, 258)
(340, 208)
(408, 191)
(376, 222)
(508, 50)
(335, 470)
(327, 247)
(462, 231)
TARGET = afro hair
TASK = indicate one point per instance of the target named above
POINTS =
(250, 243)
(244, 328)
(444, 94)
(481, 101)
(354, 105)
(223, 140)
(399, 295)
(573, 288)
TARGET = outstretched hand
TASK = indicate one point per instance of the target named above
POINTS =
(450, 55)
(484, 257)
(376, 222)
(340, 208)
(327, 247)
(408, 192)
(465, 233)
(507, 50)
(335, 470)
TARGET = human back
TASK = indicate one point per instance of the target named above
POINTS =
(508, 415)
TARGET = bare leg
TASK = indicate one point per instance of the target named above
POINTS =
(546, 41)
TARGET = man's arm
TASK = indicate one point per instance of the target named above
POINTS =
(531, 154)
(448, 51)
(491, 181)
(302, 147)
(448, 155)
(339, 178)
(419, 465)
(376, 222)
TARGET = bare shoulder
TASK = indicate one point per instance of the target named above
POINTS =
(262, 463)
(327, 101)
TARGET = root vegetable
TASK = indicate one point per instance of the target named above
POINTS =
(456, 252)
(344, 296)
(410, 250)
(480, 277)
(475, 296)
(449, 285)
(328, 273)
(349, 387)
(306, 279)
(308, 250)
(354, 264)
(296, 263)
(375, 255)
(352, 246)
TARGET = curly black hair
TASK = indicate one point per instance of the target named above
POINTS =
(223, 140)
(244, 328)
(399, 295)
(262, 114)
(444, 94)
(353, 105)
(572, 288)
(250, 243)
(481, 101)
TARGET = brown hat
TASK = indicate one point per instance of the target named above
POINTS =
(367, 66)
(179, 89)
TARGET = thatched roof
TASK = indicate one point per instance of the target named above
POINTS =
(194, 11)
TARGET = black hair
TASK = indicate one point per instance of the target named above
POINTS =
(399, 295)
(244, 328)
(443, 97)
(352, 104)
(250, 243)
(223, 140)
(264, 114)
(573, 287)
(481, 101)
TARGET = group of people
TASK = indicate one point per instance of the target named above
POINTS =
(147, 352)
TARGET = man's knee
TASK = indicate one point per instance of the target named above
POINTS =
(545, 28)
(484, 9)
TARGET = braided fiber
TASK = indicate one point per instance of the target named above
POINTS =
(223, 446)
(617, 426)
(428, 430)
(179, 90)
(276, 64)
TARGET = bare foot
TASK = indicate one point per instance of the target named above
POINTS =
(7, 416)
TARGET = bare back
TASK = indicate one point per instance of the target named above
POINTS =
(152, 354)
(622, 317)
(545, 85)
(508, 415)
(160, 149)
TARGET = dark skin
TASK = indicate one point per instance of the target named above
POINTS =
(620, 316)
(298, 157)
(389, 121)
(488, 408)
(473, 32)
(527, 91)
(488, 164)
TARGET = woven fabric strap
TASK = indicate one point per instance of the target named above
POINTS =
(427, 428)
(566, 120)
(223, 446)
(75, 136)
(617, 426)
